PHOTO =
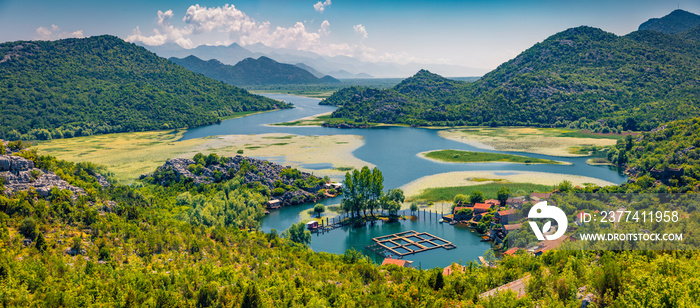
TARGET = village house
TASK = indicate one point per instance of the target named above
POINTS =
(493, 201)
(482, 208)
(510, 252)
(578, 220)
(506, 216)
(311, 225)
(274, 204)
(397, 262)
(540, 196)
(512, 227)
(452, 268)
(516, 202)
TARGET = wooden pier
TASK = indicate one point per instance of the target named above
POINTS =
(408, 243)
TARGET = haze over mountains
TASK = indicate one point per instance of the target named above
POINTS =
(250, 72)
(338, 66)
(583, 74)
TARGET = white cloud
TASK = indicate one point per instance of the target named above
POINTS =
(361, 30)
(245, 30)
(163, 33)
(55, 33)
(325, 28)
(321, 6)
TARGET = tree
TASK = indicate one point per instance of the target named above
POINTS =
(460, 199)
(297, 233)
(565, 186)
(318, 209)
(414, 207)
(40, 242)
(376, 190)
(503, 195)
(439, 281)
(396, 194)
(28, 228)
(391, 206)
(251, 298)
(476, 197)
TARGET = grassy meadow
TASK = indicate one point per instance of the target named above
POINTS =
(457, 156)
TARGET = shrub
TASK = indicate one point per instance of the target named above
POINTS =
(28, 228)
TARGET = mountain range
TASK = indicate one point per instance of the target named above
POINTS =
(337, 67)
(250, 72)
(102, 84)
(575, 77)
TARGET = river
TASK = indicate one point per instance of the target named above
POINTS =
(393, 150)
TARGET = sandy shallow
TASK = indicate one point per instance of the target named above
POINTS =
(129, 155)
(462, 178)
(530, 140)
(293, 150)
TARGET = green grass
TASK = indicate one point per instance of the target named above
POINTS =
(490, 191)
(456, 156)
(243, 114)
(344, 168)
(279, 137)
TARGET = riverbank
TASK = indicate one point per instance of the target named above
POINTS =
(457, 156)
(128, 155)
(547, 141)
(470, 178)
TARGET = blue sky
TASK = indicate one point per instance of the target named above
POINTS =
(480, 34)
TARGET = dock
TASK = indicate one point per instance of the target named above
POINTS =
(408, 243)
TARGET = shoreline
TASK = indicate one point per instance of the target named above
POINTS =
(465, 178)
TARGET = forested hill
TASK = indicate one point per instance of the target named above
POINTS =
(665, 159)
(102, 84)
(676, 22)
(631, 82)
(249, 72)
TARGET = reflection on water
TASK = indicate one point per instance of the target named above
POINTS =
(394, 151)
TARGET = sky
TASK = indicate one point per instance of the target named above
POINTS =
(473, 33)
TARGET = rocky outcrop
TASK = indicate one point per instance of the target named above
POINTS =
(264, 172)
(20, 174)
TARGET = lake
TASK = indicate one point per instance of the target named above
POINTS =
(393, 150)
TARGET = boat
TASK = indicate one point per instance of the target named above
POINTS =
(453, 222)
(441, 220)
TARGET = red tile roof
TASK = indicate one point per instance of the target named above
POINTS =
(510, 252)
(398, 262)
(482, 206)
(512, 227)
(493, 201)
(506, 212)
(448, 270)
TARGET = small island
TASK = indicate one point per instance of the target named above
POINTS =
(457, 156)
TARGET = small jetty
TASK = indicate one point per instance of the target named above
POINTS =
(408, 243)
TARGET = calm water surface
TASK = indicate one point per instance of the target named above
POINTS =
(394, 151)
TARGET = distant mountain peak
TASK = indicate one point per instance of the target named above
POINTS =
(675, 22)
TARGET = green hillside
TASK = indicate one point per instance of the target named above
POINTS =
(676, 22)
(101, 84)
(582, 77)
(252, 72)
(666, 158)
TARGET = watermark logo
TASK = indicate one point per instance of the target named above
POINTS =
(542, 210)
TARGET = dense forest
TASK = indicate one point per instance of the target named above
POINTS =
(665, 159)
(179, 243)
(252, 72)
(101, 84)
(582, 77)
